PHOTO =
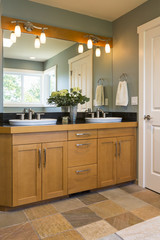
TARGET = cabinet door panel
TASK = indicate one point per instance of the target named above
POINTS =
(107, 151)
(54, 178)
(126, 159)
(26, 174)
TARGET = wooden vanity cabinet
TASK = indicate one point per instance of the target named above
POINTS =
(116, 156)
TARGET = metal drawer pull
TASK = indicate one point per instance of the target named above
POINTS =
(81, 171)
(39, 163)
(116, 150)
(119, 148)
(82, 134)
(45, 161)
(82, 144)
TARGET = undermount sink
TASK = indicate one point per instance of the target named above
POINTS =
(33, 122)
(103, 120)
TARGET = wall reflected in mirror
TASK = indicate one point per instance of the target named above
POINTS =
(31, 74)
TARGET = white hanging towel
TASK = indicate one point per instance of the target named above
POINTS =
(122, 94)
(99, 95)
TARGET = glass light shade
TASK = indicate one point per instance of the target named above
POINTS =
(80, 48)
(43, 38)
(17, 30)
(37, 43)
(98, 52)
(107, 48)
(89, 44)
(13, 37)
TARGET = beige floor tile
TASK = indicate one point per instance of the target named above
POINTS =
(12, 218)
(129, 202)
(132, 188)
(18, 232)
(147, 196)
(124, 220)
(48, 226)
(146, 212)
(106, 209)
(40, 211)
(148, 230)
(68, 204)
(156, 204)
(69, 235)
(114, 193)
(96, 230)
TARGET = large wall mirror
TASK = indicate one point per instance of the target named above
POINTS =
(31, 74)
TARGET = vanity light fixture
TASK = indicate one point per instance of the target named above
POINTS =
(28, 26)
(107, 48)
(7, 42)
(98, 52)
(43, 37)
(13, 37)
(89, 44)
(80, 48)
(17, 30)
(37, 43)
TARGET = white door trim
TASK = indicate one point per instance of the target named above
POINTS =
(141, 30)
(82, 55)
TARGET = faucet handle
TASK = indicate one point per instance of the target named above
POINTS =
(21, 114)
(39, 115)
(104, 114)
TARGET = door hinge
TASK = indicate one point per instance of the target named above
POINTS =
(71, 72)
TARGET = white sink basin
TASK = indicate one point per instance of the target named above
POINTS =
(103, 120)
(33, 122)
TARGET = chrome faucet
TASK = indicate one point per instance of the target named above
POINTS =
(98, 112)
(30, 113)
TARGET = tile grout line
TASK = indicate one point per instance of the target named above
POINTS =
(119, 236)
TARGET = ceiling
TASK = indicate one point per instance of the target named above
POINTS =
(24, 48)
(103, 9)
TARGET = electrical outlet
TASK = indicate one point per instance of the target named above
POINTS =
(134, 101)
(106, 102)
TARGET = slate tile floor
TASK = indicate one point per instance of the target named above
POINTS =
(122, 213)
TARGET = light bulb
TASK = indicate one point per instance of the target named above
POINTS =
(80, 48)
(89, 44)
(43, 37)
(98, 52)
(37, 43)
(107, 48)
(13, 37)
(17, 30)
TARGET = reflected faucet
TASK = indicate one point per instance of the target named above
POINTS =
(30, 113)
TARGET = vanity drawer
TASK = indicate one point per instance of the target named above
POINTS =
(82, 152)
(82, 178)
(82, 134)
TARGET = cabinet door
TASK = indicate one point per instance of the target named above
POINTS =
(54, 171)
(126, 161)
(107, 152)
(26, 174)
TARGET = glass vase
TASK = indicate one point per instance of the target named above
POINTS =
(73, 113)
(64, 109)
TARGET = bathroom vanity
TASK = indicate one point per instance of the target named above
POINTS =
(43, 162)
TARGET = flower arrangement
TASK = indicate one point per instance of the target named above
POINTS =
(66, 98)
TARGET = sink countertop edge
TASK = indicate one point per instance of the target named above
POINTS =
(65, 127)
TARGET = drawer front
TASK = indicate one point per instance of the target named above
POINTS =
(82, 152)
(118, 132)
(82, 134)
(27, 138)
(82, 178)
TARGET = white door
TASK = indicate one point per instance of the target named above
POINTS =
(152, 108)
(81, 76)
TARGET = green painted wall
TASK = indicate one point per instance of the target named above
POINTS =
(27, 10)
(22, 64)
(125, 50)
(102, 68)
